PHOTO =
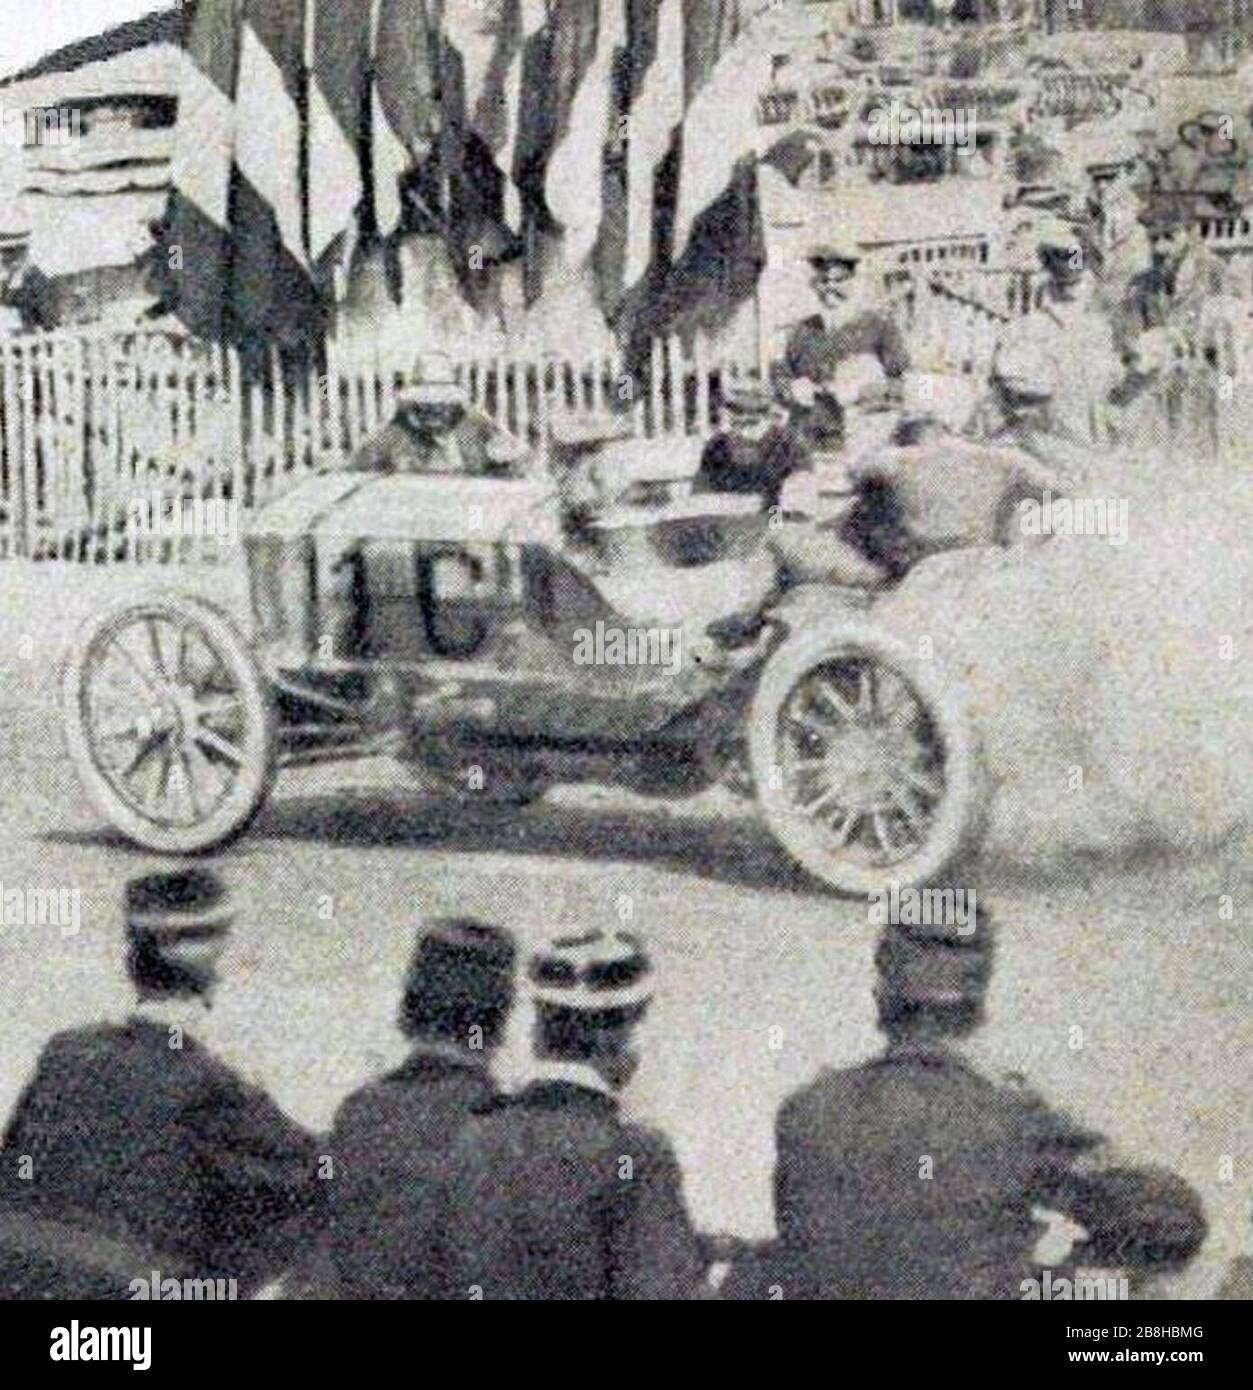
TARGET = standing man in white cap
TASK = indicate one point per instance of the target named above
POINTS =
(847, 325)
(556, 1196)
(136, 1133)
(1055, 368)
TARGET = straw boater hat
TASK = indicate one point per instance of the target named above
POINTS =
(162, 908)
(598, 974)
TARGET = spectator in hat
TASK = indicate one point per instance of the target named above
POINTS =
(847, 325)
(1055, 368)
(913, 1175)
(437, 430)
(1117, 211)
(1182, 277)
(581, 466)
(392, 1138)
(755, 453)
(556, 1196)
(27, 301)
(136, 1133)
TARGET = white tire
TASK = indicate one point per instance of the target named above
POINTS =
(865, 765)
(169, 723)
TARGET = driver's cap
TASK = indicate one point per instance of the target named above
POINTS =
(432, 381)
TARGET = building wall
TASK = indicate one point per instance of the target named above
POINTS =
(88, 204)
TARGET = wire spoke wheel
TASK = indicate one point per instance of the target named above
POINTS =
(864, 766)
(859, 755)
(169, 724)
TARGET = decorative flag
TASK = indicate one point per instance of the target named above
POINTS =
(301, 119)
(728, 64)
(654, 112)
(574, 178)
(404, 99)
(491, 40)
(337, 88)
(271, 290)
(532, 16)
(197, 244)
(555, 63)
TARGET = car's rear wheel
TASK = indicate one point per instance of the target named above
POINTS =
(864, 764)
(169, 723)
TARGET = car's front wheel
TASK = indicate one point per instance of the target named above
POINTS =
(864, 763)
(169, 723)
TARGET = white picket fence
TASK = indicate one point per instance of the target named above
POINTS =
(92, 424)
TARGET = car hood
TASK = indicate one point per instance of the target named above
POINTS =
(401, 506)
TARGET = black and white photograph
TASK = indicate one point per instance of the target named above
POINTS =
(625, 663)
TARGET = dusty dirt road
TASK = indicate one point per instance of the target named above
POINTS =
(1119, 989)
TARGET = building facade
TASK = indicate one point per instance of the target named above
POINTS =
(92, 172)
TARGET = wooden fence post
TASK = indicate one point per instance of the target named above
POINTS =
(15, 481)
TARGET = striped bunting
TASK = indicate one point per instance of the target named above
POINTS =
(303, 122)
(340, 49)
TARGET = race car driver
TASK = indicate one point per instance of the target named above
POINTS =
(436, 430)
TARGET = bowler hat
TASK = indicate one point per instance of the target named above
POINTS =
(941, 966)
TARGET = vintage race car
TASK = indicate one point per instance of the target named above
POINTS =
(496, 645)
